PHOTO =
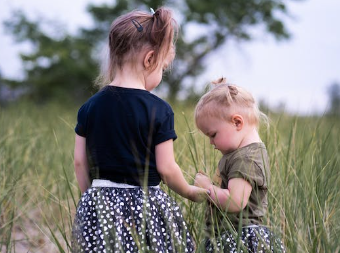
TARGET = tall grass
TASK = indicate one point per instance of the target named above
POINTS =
(38, 190)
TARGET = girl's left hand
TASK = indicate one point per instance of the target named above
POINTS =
(202, 181)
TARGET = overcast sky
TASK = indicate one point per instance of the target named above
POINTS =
(296, 72)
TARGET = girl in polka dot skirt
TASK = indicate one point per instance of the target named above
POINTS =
(124, 147)
(229, 116)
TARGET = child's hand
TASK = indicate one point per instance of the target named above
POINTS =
(197, 194)
(202, 181)
(217, 178)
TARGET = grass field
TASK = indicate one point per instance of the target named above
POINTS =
(38, 190)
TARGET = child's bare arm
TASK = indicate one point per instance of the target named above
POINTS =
(172, 175)
(233, 199)
(81, 165)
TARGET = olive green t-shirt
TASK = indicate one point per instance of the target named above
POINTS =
(250, 163)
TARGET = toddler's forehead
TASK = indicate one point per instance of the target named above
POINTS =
(206, 118)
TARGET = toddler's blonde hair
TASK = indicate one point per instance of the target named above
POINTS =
(225, 100)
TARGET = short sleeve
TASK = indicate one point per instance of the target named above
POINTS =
(248, 170)
(165, 129)
(80, 128)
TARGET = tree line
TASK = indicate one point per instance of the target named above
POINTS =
(62, 65)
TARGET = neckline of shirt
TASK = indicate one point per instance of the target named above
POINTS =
(125, 88)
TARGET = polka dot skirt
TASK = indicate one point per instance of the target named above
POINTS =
(126, 220)
(257, 239)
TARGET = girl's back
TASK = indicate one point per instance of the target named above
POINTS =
(122, 127)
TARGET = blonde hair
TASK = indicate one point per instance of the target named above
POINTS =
(134, 32)
(224, 100)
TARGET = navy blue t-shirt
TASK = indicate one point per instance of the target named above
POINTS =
(122, 126)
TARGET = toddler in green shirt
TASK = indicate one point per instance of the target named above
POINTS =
(229, 116)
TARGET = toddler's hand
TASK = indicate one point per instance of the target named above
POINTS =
(202, 181)
(198, 194)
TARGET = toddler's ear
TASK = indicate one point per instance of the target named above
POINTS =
(238, 121)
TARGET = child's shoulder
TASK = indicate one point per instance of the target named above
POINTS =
(159, 103)
(249, 152)
(92, 100)
(157, 99)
